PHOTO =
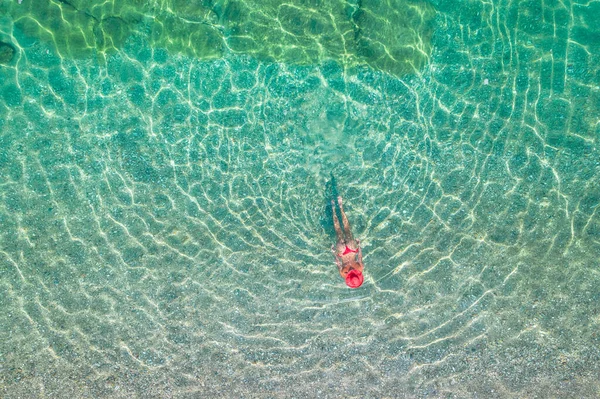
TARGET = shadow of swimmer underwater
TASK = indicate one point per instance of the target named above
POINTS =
(347, 251)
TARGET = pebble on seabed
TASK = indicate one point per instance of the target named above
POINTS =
(7, 52)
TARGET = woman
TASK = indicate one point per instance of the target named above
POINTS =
(347, 252)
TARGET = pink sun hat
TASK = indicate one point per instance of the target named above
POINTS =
(354, 279)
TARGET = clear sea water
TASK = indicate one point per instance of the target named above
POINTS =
(163, 207)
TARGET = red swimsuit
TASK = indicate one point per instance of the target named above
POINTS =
(348, 250)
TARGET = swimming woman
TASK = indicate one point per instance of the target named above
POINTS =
(347, 252)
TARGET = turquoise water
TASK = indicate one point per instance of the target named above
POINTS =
(163, 206)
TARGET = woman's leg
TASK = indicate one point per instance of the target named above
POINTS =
(347, 231)
(336, 224)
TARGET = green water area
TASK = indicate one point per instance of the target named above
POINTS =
(165, 198)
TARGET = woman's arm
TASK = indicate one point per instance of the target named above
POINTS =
(337, 258)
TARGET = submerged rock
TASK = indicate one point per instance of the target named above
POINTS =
(7, 52)
(392, 36)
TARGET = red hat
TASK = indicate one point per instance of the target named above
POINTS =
(354, 279)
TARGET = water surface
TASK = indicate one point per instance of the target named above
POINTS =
(162, 198)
